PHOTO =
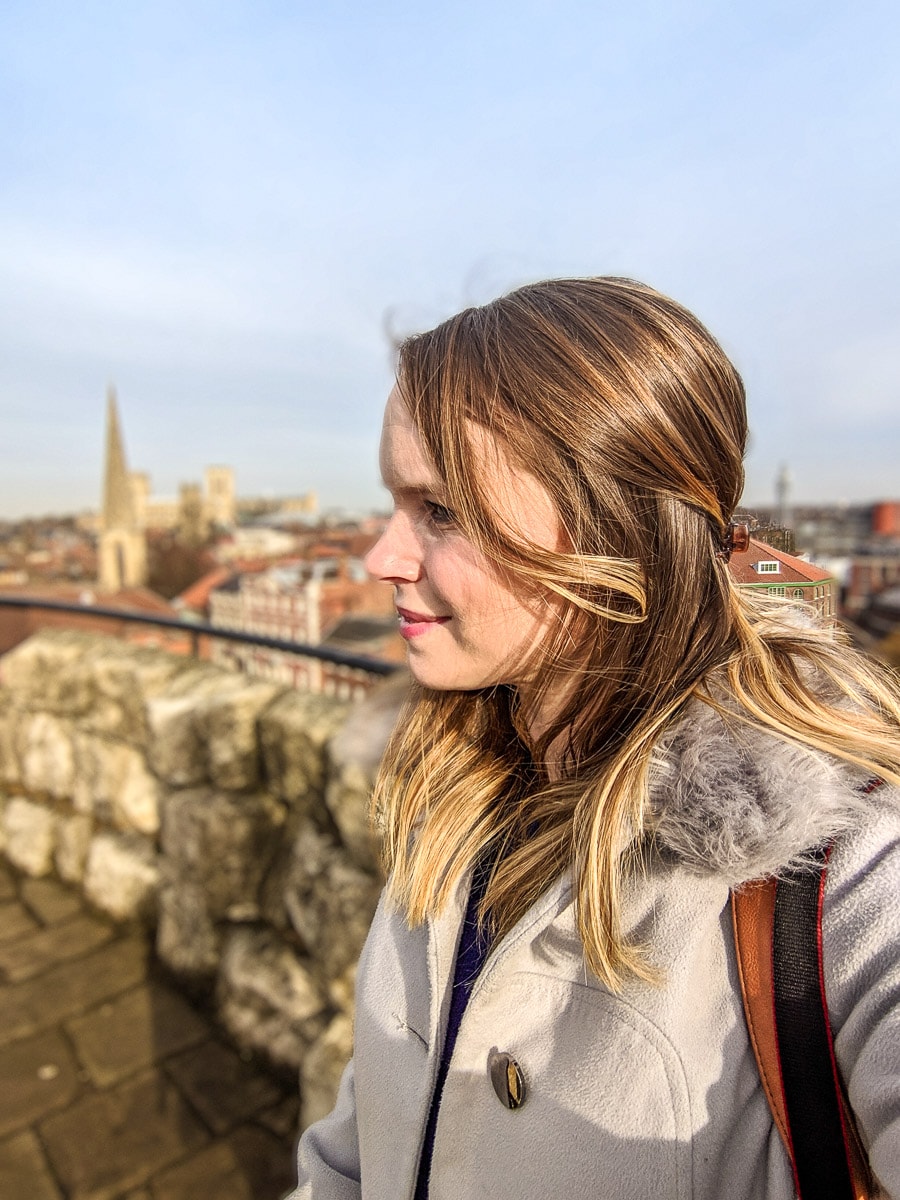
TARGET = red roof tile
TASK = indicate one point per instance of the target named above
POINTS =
(197, 595)
(744, 563)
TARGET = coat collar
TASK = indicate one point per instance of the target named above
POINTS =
(736, 800)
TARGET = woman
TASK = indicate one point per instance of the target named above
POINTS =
(606, 738)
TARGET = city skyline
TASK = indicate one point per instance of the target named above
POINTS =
(227, 212)
(782, 478)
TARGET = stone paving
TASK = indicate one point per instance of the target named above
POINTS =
(112, 1086)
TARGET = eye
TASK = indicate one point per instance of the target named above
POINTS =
(439, 516)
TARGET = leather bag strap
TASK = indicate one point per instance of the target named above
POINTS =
(778, 927)
(753, 915)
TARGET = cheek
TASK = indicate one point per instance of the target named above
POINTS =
(481, 595)
(468, 581)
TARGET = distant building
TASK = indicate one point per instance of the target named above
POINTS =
(280, 510)
(255, 541)
(327, 602)
(821, 531)
(886, 519)
(219, 495)
(882, 618)
(762, 567)
(870, 575)
(785, 516)
(122, 543)
(192, 513)
(780, 537)
(193, 602)
(858, 545)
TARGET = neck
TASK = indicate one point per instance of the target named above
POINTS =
(534, 714)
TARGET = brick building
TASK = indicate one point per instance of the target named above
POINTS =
(762, 567)
(329, 602)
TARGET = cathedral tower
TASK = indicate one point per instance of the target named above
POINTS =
(220, 495)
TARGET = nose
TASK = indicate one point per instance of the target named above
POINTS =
(396, 556)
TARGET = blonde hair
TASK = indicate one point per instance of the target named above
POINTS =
(629, 413)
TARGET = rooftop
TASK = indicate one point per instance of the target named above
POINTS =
(745, 566)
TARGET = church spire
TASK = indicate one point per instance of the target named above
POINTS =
(118, 501)
(123, 546)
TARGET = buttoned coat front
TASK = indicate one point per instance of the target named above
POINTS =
(654, 1091)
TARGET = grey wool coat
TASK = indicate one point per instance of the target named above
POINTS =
(651, 1094)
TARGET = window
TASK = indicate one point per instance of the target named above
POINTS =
(798, 593)
(775, 591)
(769, 567)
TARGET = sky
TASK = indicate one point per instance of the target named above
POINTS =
(227, 208)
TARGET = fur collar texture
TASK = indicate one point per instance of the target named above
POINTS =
(740, 802)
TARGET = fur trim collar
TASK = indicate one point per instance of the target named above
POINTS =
(730, 799)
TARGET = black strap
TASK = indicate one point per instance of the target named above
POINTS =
(809, 1074)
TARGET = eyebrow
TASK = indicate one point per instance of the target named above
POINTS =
(412, 489)
(398, 485)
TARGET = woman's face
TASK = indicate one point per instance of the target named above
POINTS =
(467, 623)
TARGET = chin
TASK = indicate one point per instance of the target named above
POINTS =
(444, 679)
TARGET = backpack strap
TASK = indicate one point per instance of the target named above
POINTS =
(778, 939)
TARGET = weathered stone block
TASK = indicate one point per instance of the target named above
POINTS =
(347, 799)
(294, 733)
(227, 723)
(73, 840)
(267, 996)
(322, 1067)
(355, 753)
(43, 672)
(216, 849)
(342, 990)
(176, 745)
(44, 745)
(10, 771)
(204, 726)
(8, 890)
(186, 936)
(222, 843)
(30, 833)
(102, 682)
(329, 901)
(121, 876)
(175, 748)
(111, 780)
(126, 677)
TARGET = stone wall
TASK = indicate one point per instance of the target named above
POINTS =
(228, 813)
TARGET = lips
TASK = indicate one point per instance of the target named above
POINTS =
(414, 624)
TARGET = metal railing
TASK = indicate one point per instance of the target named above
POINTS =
(196, 630)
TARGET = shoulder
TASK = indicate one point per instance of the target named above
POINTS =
(861, 963)
(860, 916)
(740, 801)
(868, 848)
